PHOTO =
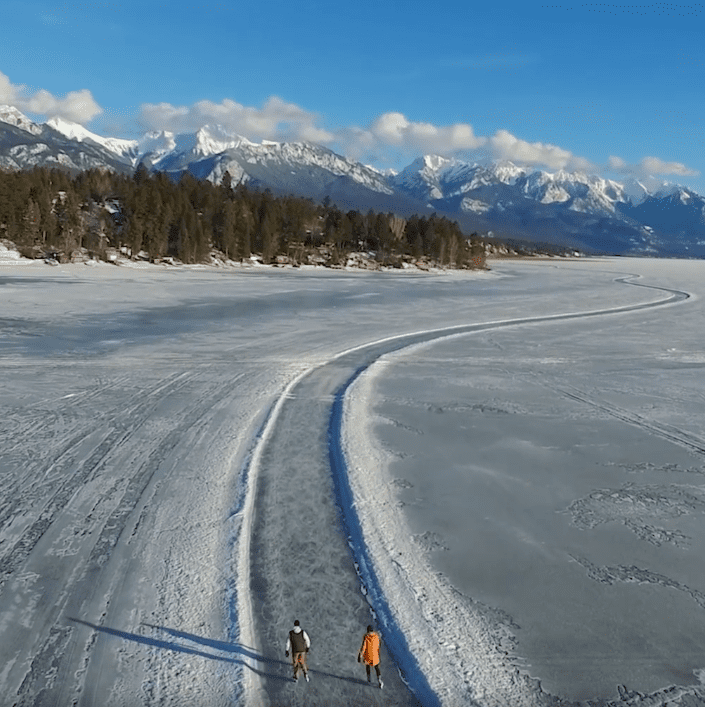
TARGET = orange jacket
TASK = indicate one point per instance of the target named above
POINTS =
(369, 650)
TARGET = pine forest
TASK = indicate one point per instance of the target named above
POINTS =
(49, 213)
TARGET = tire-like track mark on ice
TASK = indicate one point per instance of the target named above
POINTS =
(299, 567)
(41, 468)
(51, 676)
(669, 432)
(129, 514)
(13, 559)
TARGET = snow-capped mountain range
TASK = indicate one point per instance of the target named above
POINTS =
(570, 208)
(566, 208)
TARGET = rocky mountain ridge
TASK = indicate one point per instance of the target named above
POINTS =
(571, 209)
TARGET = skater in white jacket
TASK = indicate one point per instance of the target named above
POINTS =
(298, 644)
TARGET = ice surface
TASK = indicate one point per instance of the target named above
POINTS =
(554, 475)
(131, 399)
(167, 508)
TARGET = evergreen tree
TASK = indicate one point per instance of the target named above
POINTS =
(412, 237)
(141, 174)
(227, 183)
(29, 235)
(358, 228)
(47, 218)
(184, 240)
(229, 241)
(243, 230)
(267, 236)
(70, 230)
(382, 236)
(133, 235)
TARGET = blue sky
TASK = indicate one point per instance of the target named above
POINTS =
(612, 89)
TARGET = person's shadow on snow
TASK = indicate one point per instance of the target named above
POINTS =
(248, 654)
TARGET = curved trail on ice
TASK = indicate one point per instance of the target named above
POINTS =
(294, 561)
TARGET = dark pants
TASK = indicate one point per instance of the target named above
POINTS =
(367, 668)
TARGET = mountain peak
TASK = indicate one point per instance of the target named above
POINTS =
(507, 171)
(214, 139)
(635, 191)
(76, 132)
(71, 130)
(13, 116)
(435, 162)
(667, 189)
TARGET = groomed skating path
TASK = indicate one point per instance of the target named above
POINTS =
(301, 565)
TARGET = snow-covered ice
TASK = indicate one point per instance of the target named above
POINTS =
(538, 498)
(530, 493)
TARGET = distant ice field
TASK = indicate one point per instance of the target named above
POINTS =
(555, 473)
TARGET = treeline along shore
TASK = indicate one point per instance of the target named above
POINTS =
(50, 213)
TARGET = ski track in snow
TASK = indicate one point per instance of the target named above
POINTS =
(79, 528)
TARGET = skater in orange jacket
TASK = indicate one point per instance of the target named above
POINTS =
(369, 654)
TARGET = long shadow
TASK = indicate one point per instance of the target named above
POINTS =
(249, 652)
(224, 646)
(180, 648)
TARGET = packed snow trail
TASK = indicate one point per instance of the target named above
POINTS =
(300, 566)
(102, 487)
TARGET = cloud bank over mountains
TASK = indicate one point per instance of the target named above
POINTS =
(279, 120)
(283, 121)
(276, 120)
(650, 165)
(77, 106)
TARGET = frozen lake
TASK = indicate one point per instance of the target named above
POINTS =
(554, 472)
(167, 510)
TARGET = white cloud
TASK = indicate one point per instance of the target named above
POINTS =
(617, 164)
(505, 146)
(7, 90)
(396, 130)
(77, 106)
(409, 138)
(276, 120)
(653, 165)
(650, 166)
(390, 133)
